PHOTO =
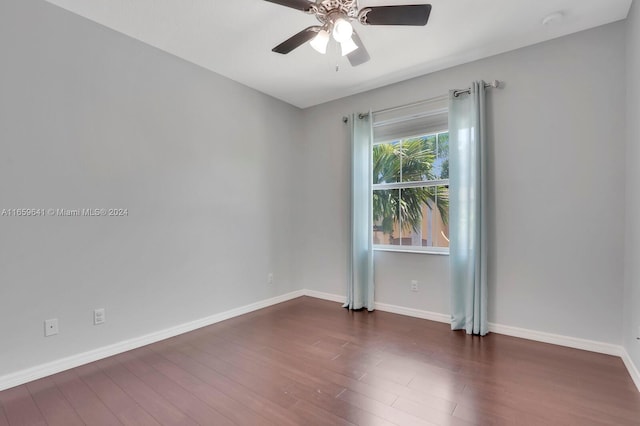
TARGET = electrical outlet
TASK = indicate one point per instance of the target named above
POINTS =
(51, 327)
(99, 316)
(414, 285)
(270, 278)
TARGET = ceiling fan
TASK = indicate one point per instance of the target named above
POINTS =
(336, 16)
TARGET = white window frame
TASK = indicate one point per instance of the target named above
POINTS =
(443, 251)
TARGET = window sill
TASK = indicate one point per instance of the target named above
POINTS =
(415, 250)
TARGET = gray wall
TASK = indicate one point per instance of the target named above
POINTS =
(90, 118)
(220, 191)
(632, 246)
(556, 172)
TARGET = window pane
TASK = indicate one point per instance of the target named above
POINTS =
(386, 163)
(424, 214)
(418, 156)
(441, 163)
(386, 228)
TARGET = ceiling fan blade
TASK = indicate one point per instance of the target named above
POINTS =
(297, 40)
(360, 55)
(415, 14)
(303, 5)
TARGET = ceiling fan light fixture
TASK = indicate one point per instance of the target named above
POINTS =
(336, 18)
(348, 46)
(319, 43)
(342, 30)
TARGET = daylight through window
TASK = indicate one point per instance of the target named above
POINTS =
(411, 193)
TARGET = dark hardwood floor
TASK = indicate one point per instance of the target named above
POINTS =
(310, 362)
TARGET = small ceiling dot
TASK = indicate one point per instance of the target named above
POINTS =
(554, 18)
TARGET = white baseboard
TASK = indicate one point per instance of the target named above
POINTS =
(385, 307)
(557, 339)
(47, 369)
(410, 312)
(53, 367)
(325, 296)
(632, 368)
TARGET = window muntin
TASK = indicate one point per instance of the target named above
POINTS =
(411, 193)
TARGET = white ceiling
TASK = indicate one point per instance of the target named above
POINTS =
(234, 38)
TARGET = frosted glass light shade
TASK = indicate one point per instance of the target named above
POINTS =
(348, 46)
(319, 42)
(342, 30)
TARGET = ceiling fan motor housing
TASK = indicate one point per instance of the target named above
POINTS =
(328, 11)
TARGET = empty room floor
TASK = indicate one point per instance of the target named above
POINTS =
(308, 361)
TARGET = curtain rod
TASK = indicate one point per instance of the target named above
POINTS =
(494, 84)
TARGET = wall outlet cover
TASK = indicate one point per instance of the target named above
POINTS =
(51, 327)
(99, 316)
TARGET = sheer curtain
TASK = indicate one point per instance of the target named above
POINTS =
(360, 285)
(468, 219)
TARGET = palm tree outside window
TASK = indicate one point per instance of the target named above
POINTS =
(411, 193)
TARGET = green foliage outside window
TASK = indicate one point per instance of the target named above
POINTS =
(412, 160)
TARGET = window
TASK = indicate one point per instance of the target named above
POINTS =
(411, 184)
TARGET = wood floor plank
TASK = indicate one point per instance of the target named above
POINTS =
(122, 405)
(3, 418)
(210, 395)
(152, 402)
(293, 370)
(398, 373)
(505, 407)
(353, 370)
(86, 403)
(326, 371)
(439, 415)
(273, 388)
(246, 359)
(386, 412)
(309, 396)
(20, 408)
(344, 409)
(177, 395)
(446, 386)
(434, 399)
(489, 415)
(317, 416)
(241, 394)
(291, 381)
(52, 404)
(438, 395)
